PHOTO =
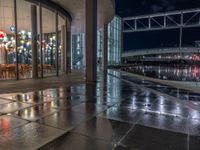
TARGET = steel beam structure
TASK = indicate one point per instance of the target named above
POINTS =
(162, 21)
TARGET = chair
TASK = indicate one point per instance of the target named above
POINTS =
(11, 69)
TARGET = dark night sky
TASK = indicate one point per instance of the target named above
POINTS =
(155, 39)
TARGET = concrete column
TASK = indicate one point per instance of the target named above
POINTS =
(91, 39)
(68, 46)
(34, 41)
(105, 48)
(63, 50)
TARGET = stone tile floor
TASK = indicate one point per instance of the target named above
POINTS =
(118, 114)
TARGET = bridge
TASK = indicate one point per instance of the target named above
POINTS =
(163, 21)
(143, 52)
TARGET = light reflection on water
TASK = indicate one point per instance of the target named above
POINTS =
(176, 73)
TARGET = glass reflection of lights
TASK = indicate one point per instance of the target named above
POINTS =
(161, 100)
(184, 73)
(8, 50)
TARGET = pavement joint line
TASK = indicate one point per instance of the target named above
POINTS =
(132, 128)
(68, 130)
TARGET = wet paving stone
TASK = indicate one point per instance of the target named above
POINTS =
(64, 120)
(130, 105)
(146, 138)
(170, 90)
(164, 122)
(32, 99)
(59, 92)
(194, 98)
(109, 115)
(193, 113)
(194, 143)
(148, 94)
(8, 122)
(64, 104)
(2, 101)
(89, 109)
(36, 112)
(30, 137)
(103, 100)
(142, 99)
(74, 141)
(157, 88)
(105, 129)
(120, 147)
(12, 107)
(174, 110)
(9, 96)
(165, 101)
(194, 127)
(121, 114)
(76, 98)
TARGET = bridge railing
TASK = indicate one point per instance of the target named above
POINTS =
(143, 52)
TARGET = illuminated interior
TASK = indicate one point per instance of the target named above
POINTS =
(46, 57)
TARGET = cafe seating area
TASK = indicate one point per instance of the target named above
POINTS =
(8, 71)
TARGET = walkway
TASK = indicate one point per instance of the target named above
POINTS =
(119, 113)
(25, 85)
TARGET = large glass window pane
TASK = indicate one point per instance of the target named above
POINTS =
(49, 42)
(99, 49)
(78, 51)
(114, 41)
(25, 52)
(61, 44)
(7, 40)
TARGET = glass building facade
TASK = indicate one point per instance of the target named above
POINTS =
(32, 39)
(114, 41)
(99, 47)
(114, 46)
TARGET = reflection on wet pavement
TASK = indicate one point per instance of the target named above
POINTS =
(29, 136)
(12, 107)
(9, 122)
(121, 113)
(36, 112)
